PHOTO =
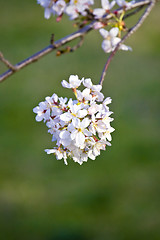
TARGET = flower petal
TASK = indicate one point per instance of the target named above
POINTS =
(103, 32)
(80, 138)
(66, 116)
(65, 84)
(114, 32)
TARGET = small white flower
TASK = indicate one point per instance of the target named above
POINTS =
(52, 7)
(111, 40)
(74, 82)
(59, 7)
(80, 131)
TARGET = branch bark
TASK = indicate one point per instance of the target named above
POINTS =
(55, 45)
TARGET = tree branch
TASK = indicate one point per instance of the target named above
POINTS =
(54, 45)
(129, 33)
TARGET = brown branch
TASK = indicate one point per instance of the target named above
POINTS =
(7, 63)
(129, 33)
(78, 45)
(54, 45)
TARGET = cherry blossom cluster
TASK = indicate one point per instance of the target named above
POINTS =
(81, 8)
(76, 8)
(80, 127)
(73, 8)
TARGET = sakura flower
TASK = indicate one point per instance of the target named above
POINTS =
(80, 131)
(59, 7)
(111, 40)
(52, 7)
(80, 128)
(94, 89)
(74, 82)
(106, 6)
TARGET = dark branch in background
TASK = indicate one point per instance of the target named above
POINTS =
(55, 45)
(129, 33)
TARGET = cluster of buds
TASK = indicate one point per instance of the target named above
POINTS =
(81, 127)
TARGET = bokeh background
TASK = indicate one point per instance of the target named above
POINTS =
(116, 197)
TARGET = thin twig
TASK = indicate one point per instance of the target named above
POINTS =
(78, 45)
(129, 33)
(63, 41)
(133, 12)
(7, 63)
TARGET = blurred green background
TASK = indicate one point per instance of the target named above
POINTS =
(116, 197)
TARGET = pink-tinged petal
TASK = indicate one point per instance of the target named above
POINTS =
(65, 84)
(66, 116)
(114, 32)
(80, 138)
(98, 25)
(104, 33)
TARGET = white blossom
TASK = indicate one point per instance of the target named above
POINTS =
(59, 7)
(80, 128)
(74, 82)
(111, 40)
(51, 7)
